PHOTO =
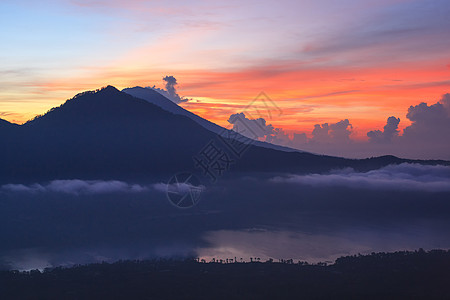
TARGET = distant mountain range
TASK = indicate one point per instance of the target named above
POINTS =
(137, 133)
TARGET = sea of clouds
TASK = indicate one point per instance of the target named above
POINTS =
(393, 177)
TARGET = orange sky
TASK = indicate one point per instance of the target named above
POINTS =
(365, 96)
(319, 61)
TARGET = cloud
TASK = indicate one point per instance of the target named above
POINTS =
(340, 131)
(428, 136)
(299, 139)
(182, 187)
(170, 85)
(89, 187)
(430, 123)
(259, 129)
(446, 102)
(320, 133)
(76, 187)
(410, 177)
(252, 128)
(5, 113)
(334, 133)
(23, 188)
(170, 92)
(279, 137)
(146, 225)
(389, 132)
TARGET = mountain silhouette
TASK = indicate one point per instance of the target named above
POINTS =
(156, 98)
(111, 134)
(101, 134)
(5, 125)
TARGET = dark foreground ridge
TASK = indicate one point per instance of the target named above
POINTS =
(399, 275)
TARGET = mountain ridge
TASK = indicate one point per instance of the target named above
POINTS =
(5, 123)
(108, 134)
(156, 98)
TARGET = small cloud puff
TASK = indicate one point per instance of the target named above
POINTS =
(170, 92)
(389, 132)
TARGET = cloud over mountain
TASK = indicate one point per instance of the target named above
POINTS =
(252, 128)
(170, 92)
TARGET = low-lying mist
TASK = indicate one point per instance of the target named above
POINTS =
(309, 217)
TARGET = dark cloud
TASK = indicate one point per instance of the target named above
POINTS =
(335, 133)
(170, 92)
(389, 132)
(299, 139)
(320, 133)
(340, 131)
(332, 133)
(279, 137)
(252, 128)
(446, 102)
(171, 82)
(427, 137)
(430, 123)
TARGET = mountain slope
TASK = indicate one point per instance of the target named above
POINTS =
(156, 98)
(6, 125)
(107, 133)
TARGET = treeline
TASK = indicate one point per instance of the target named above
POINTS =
(412, 275)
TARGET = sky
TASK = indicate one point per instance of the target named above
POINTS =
(319, 61)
